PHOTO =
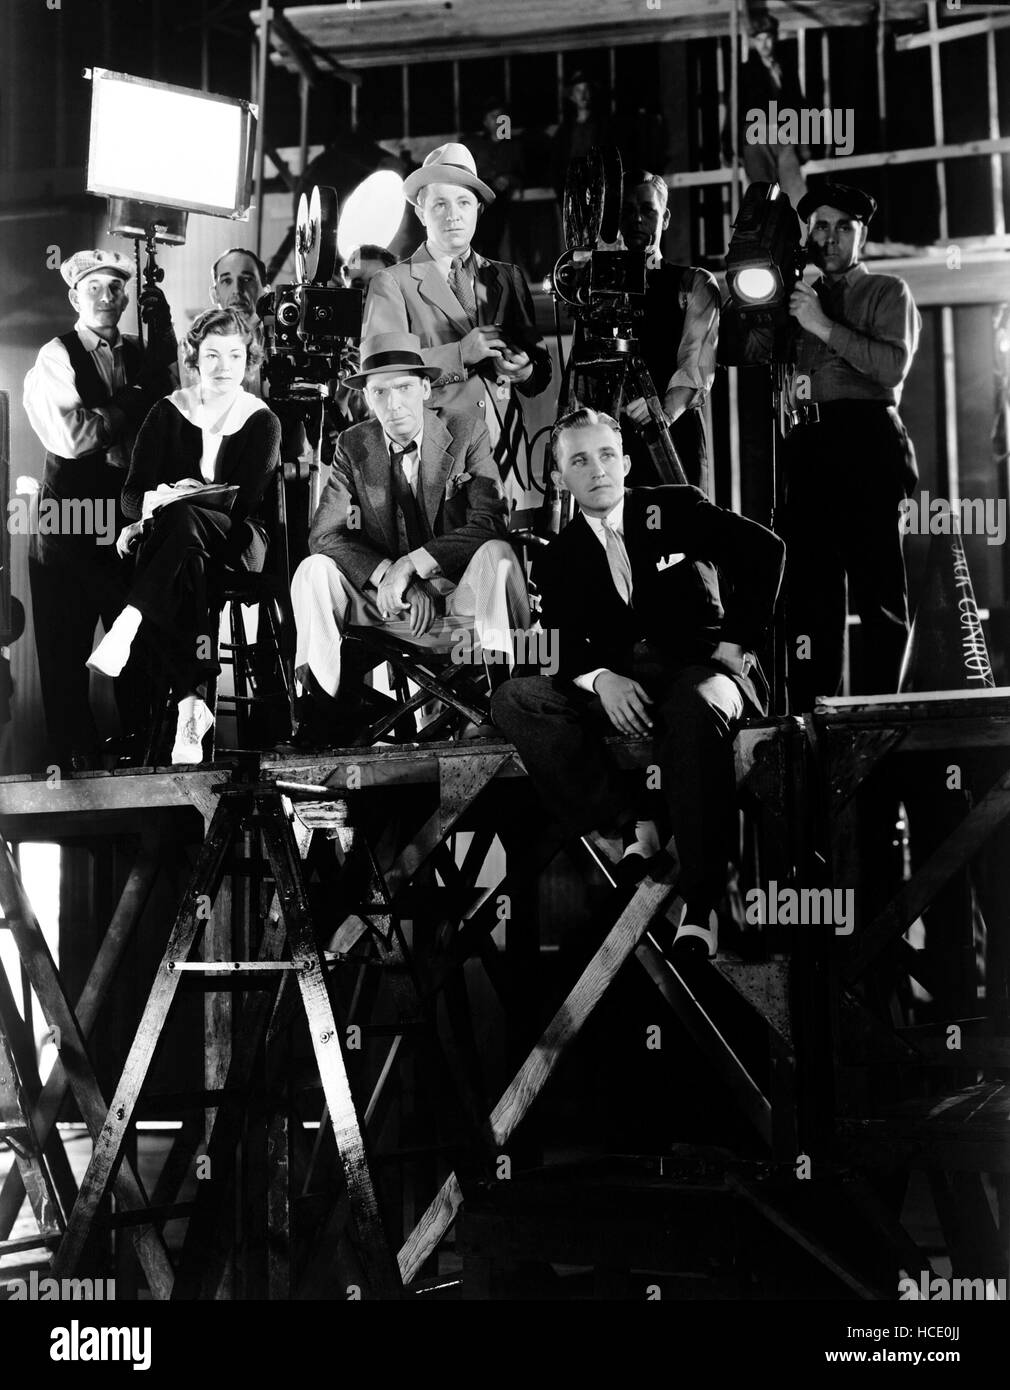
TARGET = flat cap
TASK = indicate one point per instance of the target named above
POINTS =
(83, 263)
(838, 195)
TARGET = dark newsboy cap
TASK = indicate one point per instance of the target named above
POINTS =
(838, 195)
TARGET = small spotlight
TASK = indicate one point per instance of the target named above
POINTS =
(755, 284)
(764, 258)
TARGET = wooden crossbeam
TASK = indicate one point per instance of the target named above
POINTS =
(40, 967)
(972, 28)
(132, 901)
(651, 896)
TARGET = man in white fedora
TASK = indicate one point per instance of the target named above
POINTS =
(474, 317)
(409, 536)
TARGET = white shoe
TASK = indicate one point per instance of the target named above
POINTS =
(194, 721)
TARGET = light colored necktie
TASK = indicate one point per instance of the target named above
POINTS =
(617, 559)
(459, 283)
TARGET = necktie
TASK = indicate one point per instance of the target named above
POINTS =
(617, 559)
(403, 494)
(459, 283)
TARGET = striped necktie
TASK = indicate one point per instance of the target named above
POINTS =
(462, 288)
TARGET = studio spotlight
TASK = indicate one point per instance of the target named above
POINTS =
(372, 214)
(764, 258)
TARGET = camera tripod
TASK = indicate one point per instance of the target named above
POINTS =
(616, 360)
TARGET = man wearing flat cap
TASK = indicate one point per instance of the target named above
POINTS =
(86, 397)
(408, 535)
(474, 317)
(849, 462)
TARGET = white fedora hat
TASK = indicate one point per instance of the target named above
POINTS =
(449, 163)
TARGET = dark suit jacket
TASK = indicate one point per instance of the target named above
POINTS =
(677, 606)
(462, 513)
(413, 297)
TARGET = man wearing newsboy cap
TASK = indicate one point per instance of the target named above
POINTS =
(474, 317)
(849, 461)
(408, 535)
(86, 397)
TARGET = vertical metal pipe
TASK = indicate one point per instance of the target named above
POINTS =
(949, 400)
(734, 106)
(354, 107)
(405, 99)
(204, 48)
(507, 79)
(612, 77)
(304, 94)
(826, 74)
(720, 82)
(261, 97)
(938, 131)
(995, 161)
(559, 69)
(456, 118)
(882, 98)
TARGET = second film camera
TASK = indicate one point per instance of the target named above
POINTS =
(310, 325)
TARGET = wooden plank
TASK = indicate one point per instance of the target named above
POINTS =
(370, 1238)
(919, 891)
(651, 896)
(392, 31)
(903, 43)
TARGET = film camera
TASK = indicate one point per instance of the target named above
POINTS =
(604, 288)
(310, 325)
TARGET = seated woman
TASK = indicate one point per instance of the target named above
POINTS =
(201, 463)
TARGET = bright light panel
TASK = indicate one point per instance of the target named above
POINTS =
(168, 145)
(755, 284)
(372, 214)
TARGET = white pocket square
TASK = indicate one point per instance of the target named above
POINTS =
(667, 561)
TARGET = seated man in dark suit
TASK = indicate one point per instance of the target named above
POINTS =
(645, 645)
(409, 534)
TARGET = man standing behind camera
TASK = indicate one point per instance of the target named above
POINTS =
(677, 333)
(850, 461)
(474, 317)
(86, 397)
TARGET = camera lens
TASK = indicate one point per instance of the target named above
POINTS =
(287, 314)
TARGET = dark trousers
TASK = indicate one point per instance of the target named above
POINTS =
(68, 600)
(845, 477)
(184, 549)
(559, 730)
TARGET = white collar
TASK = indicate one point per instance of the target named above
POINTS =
(614, 519)
(444, 263)
(187, 403)
(417, 439)
(92, 341)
